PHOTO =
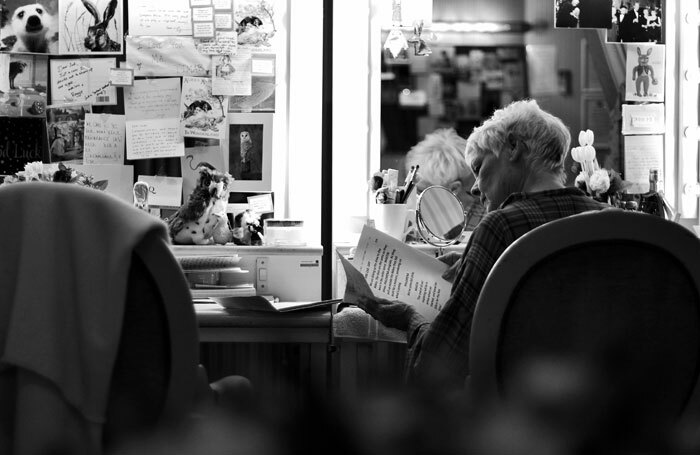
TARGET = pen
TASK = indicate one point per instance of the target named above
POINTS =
(411, 183)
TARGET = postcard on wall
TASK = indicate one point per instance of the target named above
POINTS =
(194, 157)
(104, 139)
(256, 24)
(250, 152)
(147, 17)
(642, 153)
(120, 178)
(84, 80)
(222, 4)
(23, 81)
(232, 74)
(222, 44)
(150, 98)
(23, 141)
(65, 125)
(643, 118)
(636, 25)
(165, 56)
(165, 191)
(201, 113)
(223, 21)
(32, 26)
(262, 97)
(91, 26)
(153, 138)
(644, 80)
(586, 14)
(121, 77)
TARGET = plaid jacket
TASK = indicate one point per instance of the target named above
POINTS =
(439, 351)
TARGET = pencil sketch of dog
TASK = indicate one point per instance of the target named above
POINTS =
(35, 29)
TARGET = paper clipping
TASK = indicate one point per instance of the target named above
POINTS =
(390, 269)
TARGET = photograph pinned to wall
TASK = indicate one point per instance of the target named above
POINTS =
(65, 126)
(29, 26)
(255, 24)
(637, 22)
(583, 14)
(199, 152)
(91, 27)
(23, 81)
(263, 83)
(250, 152)
(201, 113)
(644, 80)
(24, 141)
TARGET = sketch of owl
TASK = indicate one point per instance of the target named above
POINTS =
(246, 146)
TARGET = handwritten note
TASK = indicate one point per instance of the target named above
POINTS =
(261, 203)
(121, 77)
(641, 154)
(204, 30)
(165, 56)
(165, 191)
(147, 17)
(104, 139)
(156, 138)
(149, 99)
(222, 4)
(203, 14)
(223, 43)
(194, 3)
(83, 81)
(223, 21)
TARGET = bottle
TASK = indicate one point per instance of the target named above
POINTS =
(651, 201)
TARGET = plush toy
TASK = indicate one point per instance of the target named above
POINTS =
(247, 229)
(202, 219)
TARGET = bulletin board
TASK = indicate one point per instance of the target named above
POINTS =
(141, 88)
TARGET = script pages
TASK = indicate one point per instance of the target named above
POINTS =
(390, 269)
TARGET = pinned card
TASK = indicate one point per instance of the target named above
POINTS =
(165, 56)
(232, 74)
(222, 43)
(155, 138)
(149, 99)
(83, 80)
(642, 153)
(261, 203)
(223, 21)
(121, 77)
(643, 118)
(104, 139)
(201, 113)
(165, 191)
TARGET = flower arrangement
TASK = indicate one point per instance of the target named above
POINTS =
(36, 171)
(599, 183)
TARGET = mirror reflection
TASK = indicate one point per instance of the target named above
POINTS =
(440, 216)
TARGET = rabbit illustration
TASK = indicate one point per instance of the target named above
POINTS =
(97, 38)
(643, 72)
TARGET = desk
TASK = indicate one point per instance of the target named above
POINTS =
(283, 354)
(218, 324)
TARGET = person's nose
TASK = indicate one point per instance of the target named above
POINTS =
(475, 189)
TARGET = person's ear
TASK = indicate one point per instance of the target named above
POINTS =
(515, 147)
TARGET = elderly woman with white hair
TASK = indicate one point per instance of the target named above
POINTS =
(441, 160)
(517, 157)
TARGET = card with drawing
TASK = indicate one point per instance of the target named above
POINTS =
(91, 26)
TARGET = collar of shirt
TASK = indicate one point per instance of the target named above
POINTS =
(514, 197)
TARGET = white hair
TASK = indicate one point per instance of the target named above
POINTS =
(440, 156)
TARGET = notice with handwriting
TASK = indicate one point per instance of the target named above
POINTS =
(643, 153)
(223, 43)
(165, 56)
(153, 99)
(147, 17)
(84, 80)
(155, 138)
(232, 74)
(104, 139)
(390, 269)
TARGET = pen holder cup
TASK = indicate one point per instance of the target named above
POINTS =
(393, 219)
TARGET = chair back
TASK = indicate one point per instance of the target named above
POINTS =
(619, 287)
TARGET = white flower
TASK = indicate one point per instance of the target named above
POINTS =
(33, 170)
(581, 179)
(600, 181)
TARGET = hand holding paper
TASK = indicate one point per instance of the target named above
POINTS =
(356, 287)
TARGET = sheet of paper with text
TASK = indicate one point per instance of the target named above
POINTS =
(397, 271)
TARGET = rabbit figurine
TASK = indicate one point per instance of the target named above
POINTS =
(97, 39)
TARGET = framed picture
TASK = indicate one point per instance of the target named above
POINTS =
(91, 27)
(250, 152)
(29, 26)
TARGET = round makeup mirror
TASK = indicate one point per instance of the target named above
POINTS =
(440, 216)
